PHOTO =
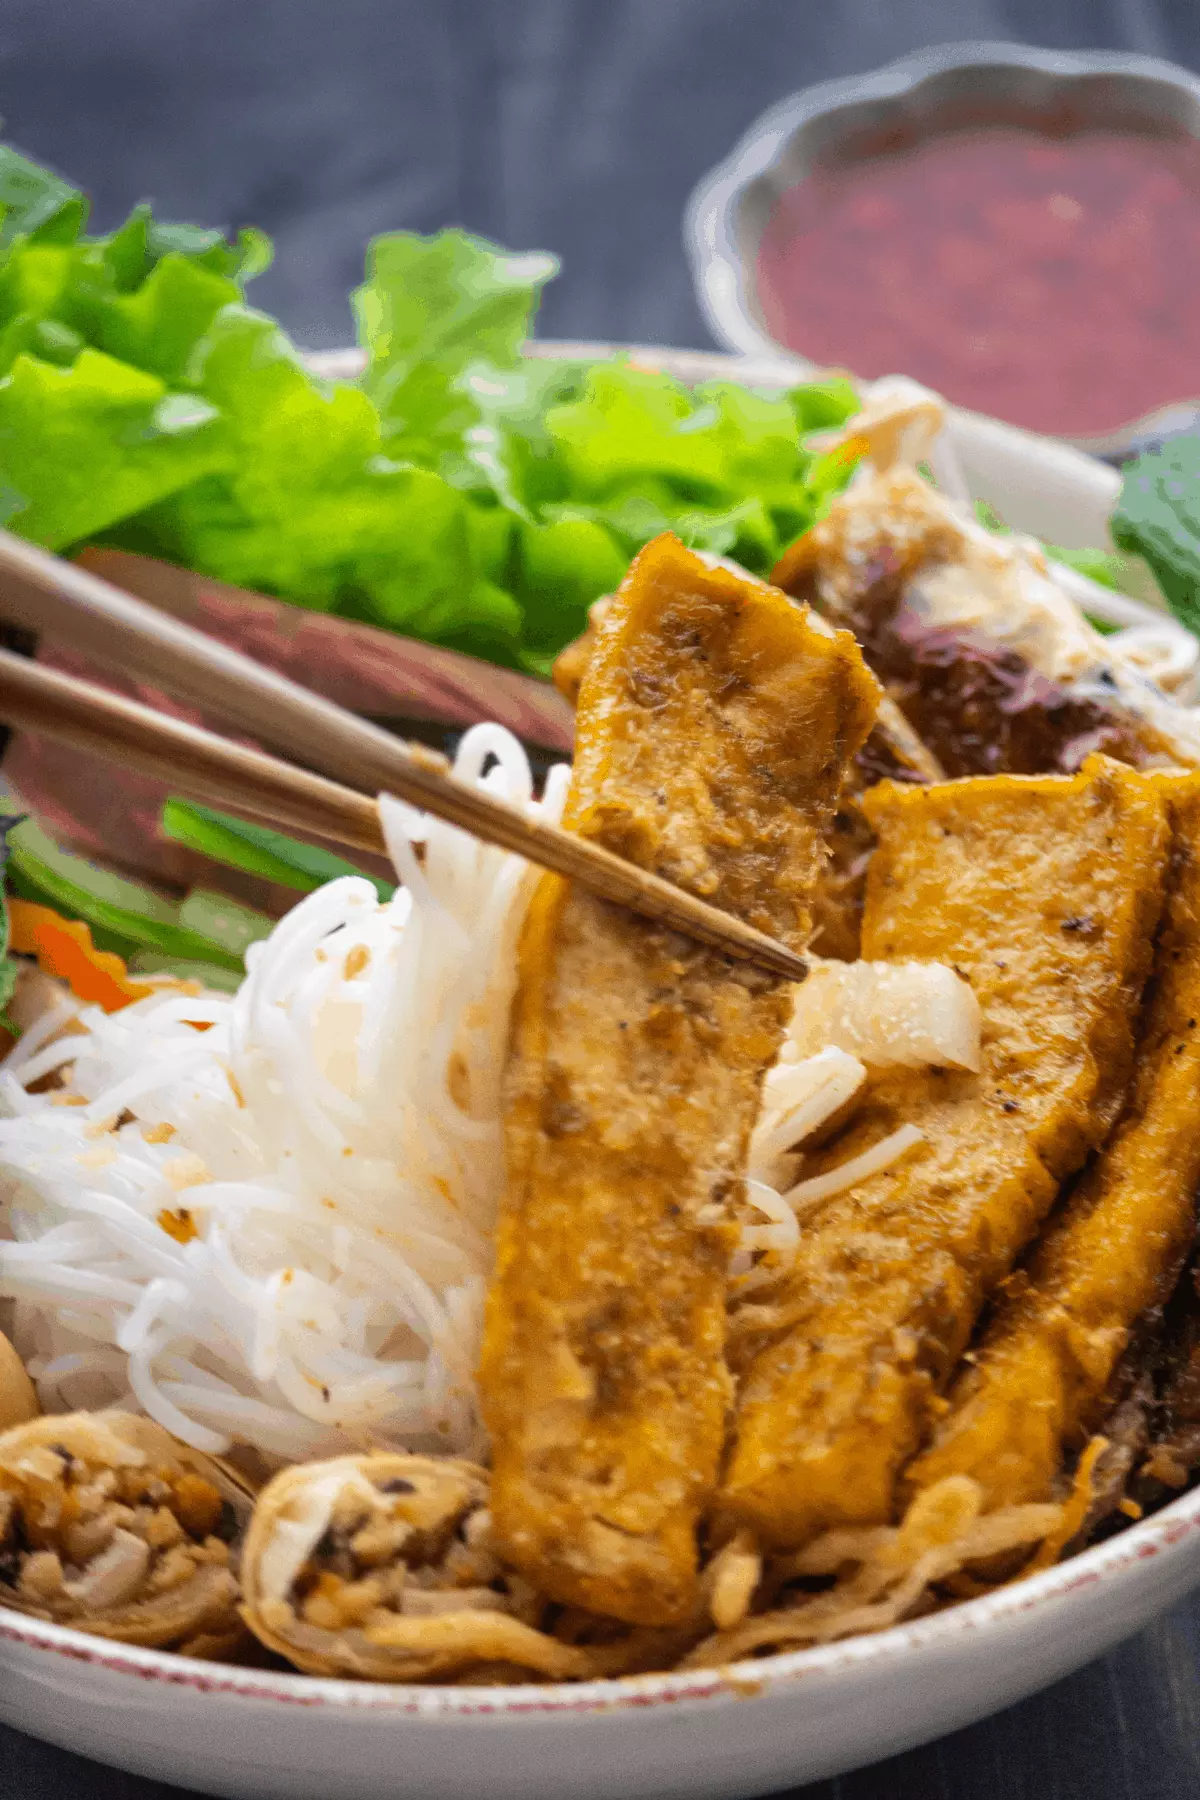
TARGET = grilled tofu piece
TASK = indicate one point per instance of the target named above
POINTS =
(1039, 1379)
(715, 723)
(1044, 893)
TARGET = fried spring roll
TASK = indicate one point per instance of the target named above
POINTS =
(1039, 1380)
(1044, 892)
(108, 1524)
(379, 1567)
(716, 719)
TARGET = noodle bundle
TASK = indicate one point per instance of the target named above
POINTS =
(288, 1243)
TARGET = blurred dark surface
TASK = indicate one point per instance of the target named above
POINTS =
(577, 126)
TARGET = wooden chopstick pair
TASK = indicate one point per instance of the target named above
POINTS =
(60, 600)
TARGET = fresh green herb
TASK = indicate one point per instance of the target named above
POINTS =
(990, 519)
(1158, 517)
(460, 492)
(8, 968)
(256, 850)
(122, 915)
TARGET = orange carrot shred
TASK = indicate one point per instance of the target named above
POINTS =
(64, 947)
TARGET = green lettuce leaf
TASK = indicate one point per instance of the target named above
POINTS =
(560, 568)
(84, 445)
(632, 423)
(37, 204)
(145, 294)
(460, 492)
(96, 334)
(311, 508)
(824, 405)
(635, 430)
(429, 309)
(137, 247)
(155, 326)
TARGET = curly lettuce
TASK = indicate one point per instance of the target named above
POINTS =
(460, 492)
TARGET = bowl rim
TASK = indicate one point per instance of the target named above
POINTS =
(720, 277)
(1173, 1528)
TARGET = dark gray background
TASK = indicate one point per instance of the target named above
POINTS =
(577, 126)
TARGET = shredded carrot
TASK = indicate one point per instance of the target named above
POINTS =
(64, 947)
(1075, 1509)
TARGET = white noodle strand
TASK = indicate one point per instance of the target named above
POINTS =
(290, 1242)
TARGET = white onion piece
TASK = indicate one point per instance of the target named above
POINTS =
(908, 1014)
(798, 1098)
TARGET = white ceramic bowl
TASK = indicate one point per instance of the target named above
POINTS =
(706, 1735)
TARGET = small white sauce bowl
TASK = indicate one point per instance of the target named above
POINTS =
(728, 211)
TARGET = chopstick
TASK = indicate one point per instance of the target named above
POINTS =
(208, 768)
(196, 763)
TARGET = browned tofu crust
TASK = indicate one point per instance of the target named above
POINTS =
(715, 722)
(1039, 1378)
(1044, 892)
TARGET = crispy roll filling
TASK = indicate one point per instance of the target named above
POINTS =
(107, 1524)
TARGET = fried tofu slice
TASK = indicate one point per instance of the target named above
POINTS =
(715, 722)
(1044, 892)
(1038, 1381)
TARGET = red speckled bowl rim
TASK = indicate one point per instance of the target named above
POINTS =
(1173, 1528)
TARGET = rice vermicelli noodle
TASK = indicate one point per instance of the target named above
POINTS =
(289, 1242)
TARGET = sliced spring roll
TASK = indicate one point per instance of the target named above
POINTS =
(379, 1566)
(715, 722)
(108, 1524)
(1038, 1381)
(1044, 892)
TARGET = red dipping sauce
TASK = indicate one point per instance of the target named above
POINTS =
(1050, 280)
